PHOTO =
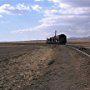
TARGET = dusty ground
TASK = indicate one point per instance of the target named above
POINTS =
(43, 67)
(81, 43)
(83, 46)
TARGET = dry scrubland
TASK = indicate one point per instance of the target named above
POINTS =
(82, 45)
(20, 65)
(43, 67)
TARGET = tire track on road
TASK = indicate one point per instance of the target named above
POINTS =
(70, 71)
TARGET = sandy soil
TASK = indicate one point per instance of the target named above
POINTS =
(44, 67)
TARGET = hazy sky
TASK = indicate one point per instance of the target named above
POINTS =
(38, 19)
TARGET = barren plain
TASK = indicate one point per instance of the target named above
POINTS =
(43, 67)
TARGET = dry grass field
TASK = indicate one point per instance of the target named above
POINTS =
(81, 43)
(25, 66)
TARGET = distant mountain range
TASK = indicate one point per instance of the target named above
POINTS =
(79, 39)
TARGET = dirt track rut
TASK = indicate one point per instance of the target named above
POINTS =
(70, 71)
(47, 68)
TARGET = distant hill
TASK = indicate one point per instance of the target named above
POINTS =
(85, 39)
(34, 41)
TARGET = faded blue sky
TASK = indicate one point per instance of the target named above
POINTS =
(38, 19)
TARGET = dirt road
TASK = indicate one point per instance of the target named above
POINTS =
(50, 68)
(70, 71)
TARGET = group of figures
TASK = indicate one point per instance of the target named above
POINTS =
(57, 39)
